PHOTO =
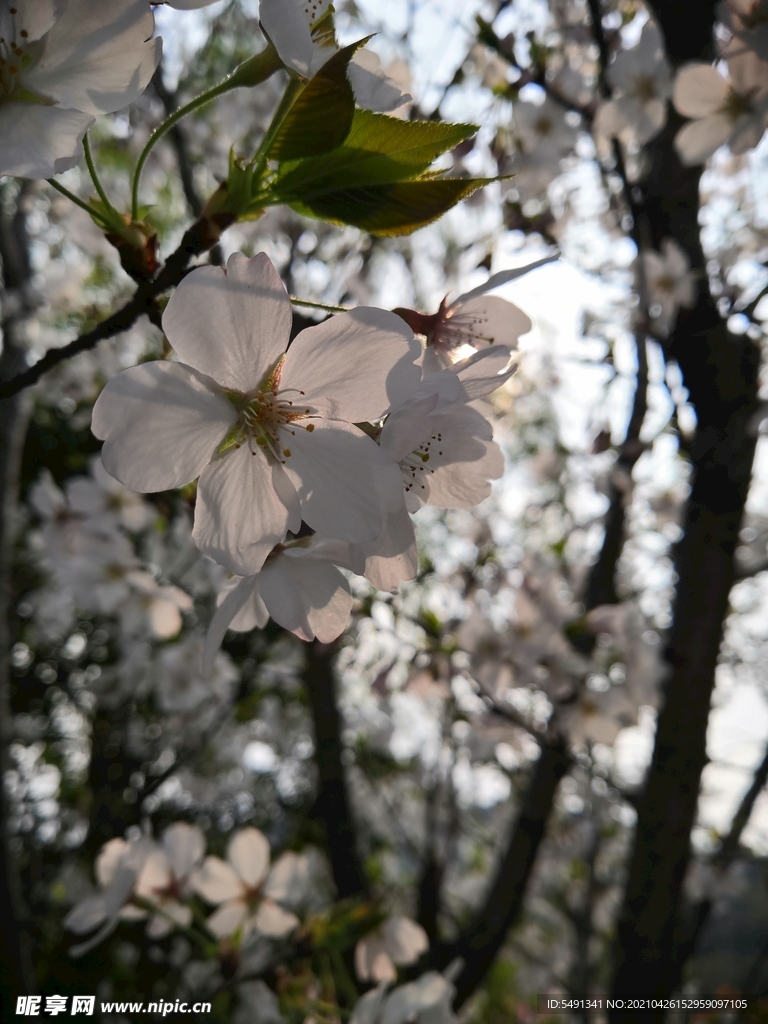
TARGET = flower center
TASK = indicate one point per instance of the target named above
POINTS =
(413, 466)
(13, 57)
(737, 104)
(262, 417)
(644, 88)
(456, 329)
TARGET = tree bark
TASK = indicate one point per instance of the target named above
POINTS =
(721, 374)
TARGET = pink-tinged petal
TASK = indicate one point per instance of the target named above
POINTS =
(308, 597)
(372, 962)
(354, 366)
(405, 940)
(274, 922)
(238, 517)
(185, 847)
(337, 471)
(227, 919)
(253, 614)
(248, 853)
(155, 876)
(98, 57)
(373, 88)
(39, 141)
(286, 492)
(216, 881)
(489, 320)
(393, 558)
(233, 325)
(231, 604)
(697, 141)
(161, 424)
(108, 861)
(699, 91)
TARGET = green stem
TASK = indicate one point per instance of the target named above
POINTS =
(292, 92)
(95, 177)
(319, 305)
(78, 202)
(252, 72)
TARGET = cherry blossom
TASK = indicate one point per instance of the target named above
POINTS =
(641, 80)
(61, 65)
(164, 881)
(398, 942)
(182, 687)
(732, 113)
(544, 134)
(428, 1000)
(269, 432)
(748, 22)
(242, 886)
(302, 33)
(671, 285)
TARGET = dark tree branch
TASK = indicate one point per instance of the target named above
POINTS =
(17, 303)
(332, 806)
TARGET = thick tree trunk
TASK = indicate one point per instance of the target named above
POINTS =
(721, 373)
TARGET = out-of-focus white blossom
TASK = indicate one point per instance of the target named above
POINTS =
(398, 942)
(747, 20)
(670, 284)
(183, 687)
(243, 887)
(641, 80)
(164, 878)
(722, 112)
(425, 1001)
(61, 65)
(544, 134)
(269, 432)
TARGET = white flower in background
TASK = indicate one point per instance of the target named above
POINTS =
(544, 135)
(398, 942)
(117, 869)
(156, 605)
(182, 687)
(243, 886)
(425, 1001)
(270, 433)
(299, 586)
(105, 502)
(747, 20)
(670, 284)
(446, 455)
(164, 880)
(641, 80)
(61, 65)
(302, 32)
(472, 321)
(732, 113)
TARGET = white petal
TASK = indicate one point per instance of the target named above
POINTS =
(161, 423)
(98, 57)
(86, 915)
(430, 992)
(238, 517)
(309, 597)
(248, 853)
(504, 277)
(108, 861)
(35, 18)
(355, 365)
(159, 926)
(393, 558)
(488, 320)
(338, 471)
(155, 875)
(698, 140)
(232, 326)
(406, 428)
(405, 940)
(185, 846)
(273, 921)
(288, 878)
(372, 962)
(38, 141)
(484, 372)
(232, 603)
(287, 23)
(227, 919)
(253, 614)
(373, 89)
(699, 91)
(216, 881)
(367, 1009)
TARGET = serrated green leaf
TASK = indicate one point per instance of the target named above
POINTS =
(391, 209)
(377, 150)
(321, 117)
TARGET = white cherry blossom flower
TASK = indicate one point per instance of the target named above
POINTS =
(671, 285)
(117, 869)
(299, 586)
(269, 432)
(164, 881)
(182, 687)
(61, 65)
(104, 502)
(399, 941)
(302, 33)
(428, 1000)
(747, 20)
(723, 112)
(242, 887)
(641, 80)
(544, 135)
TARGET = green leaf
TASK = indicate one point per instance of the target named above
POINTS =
(377, 150)
(390, 209)
(321, 117)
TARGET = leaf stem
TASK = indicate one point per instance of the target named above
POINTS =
(78, 202)
(250, 73)
(292, 92)
(95, 177)
(319, 305)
